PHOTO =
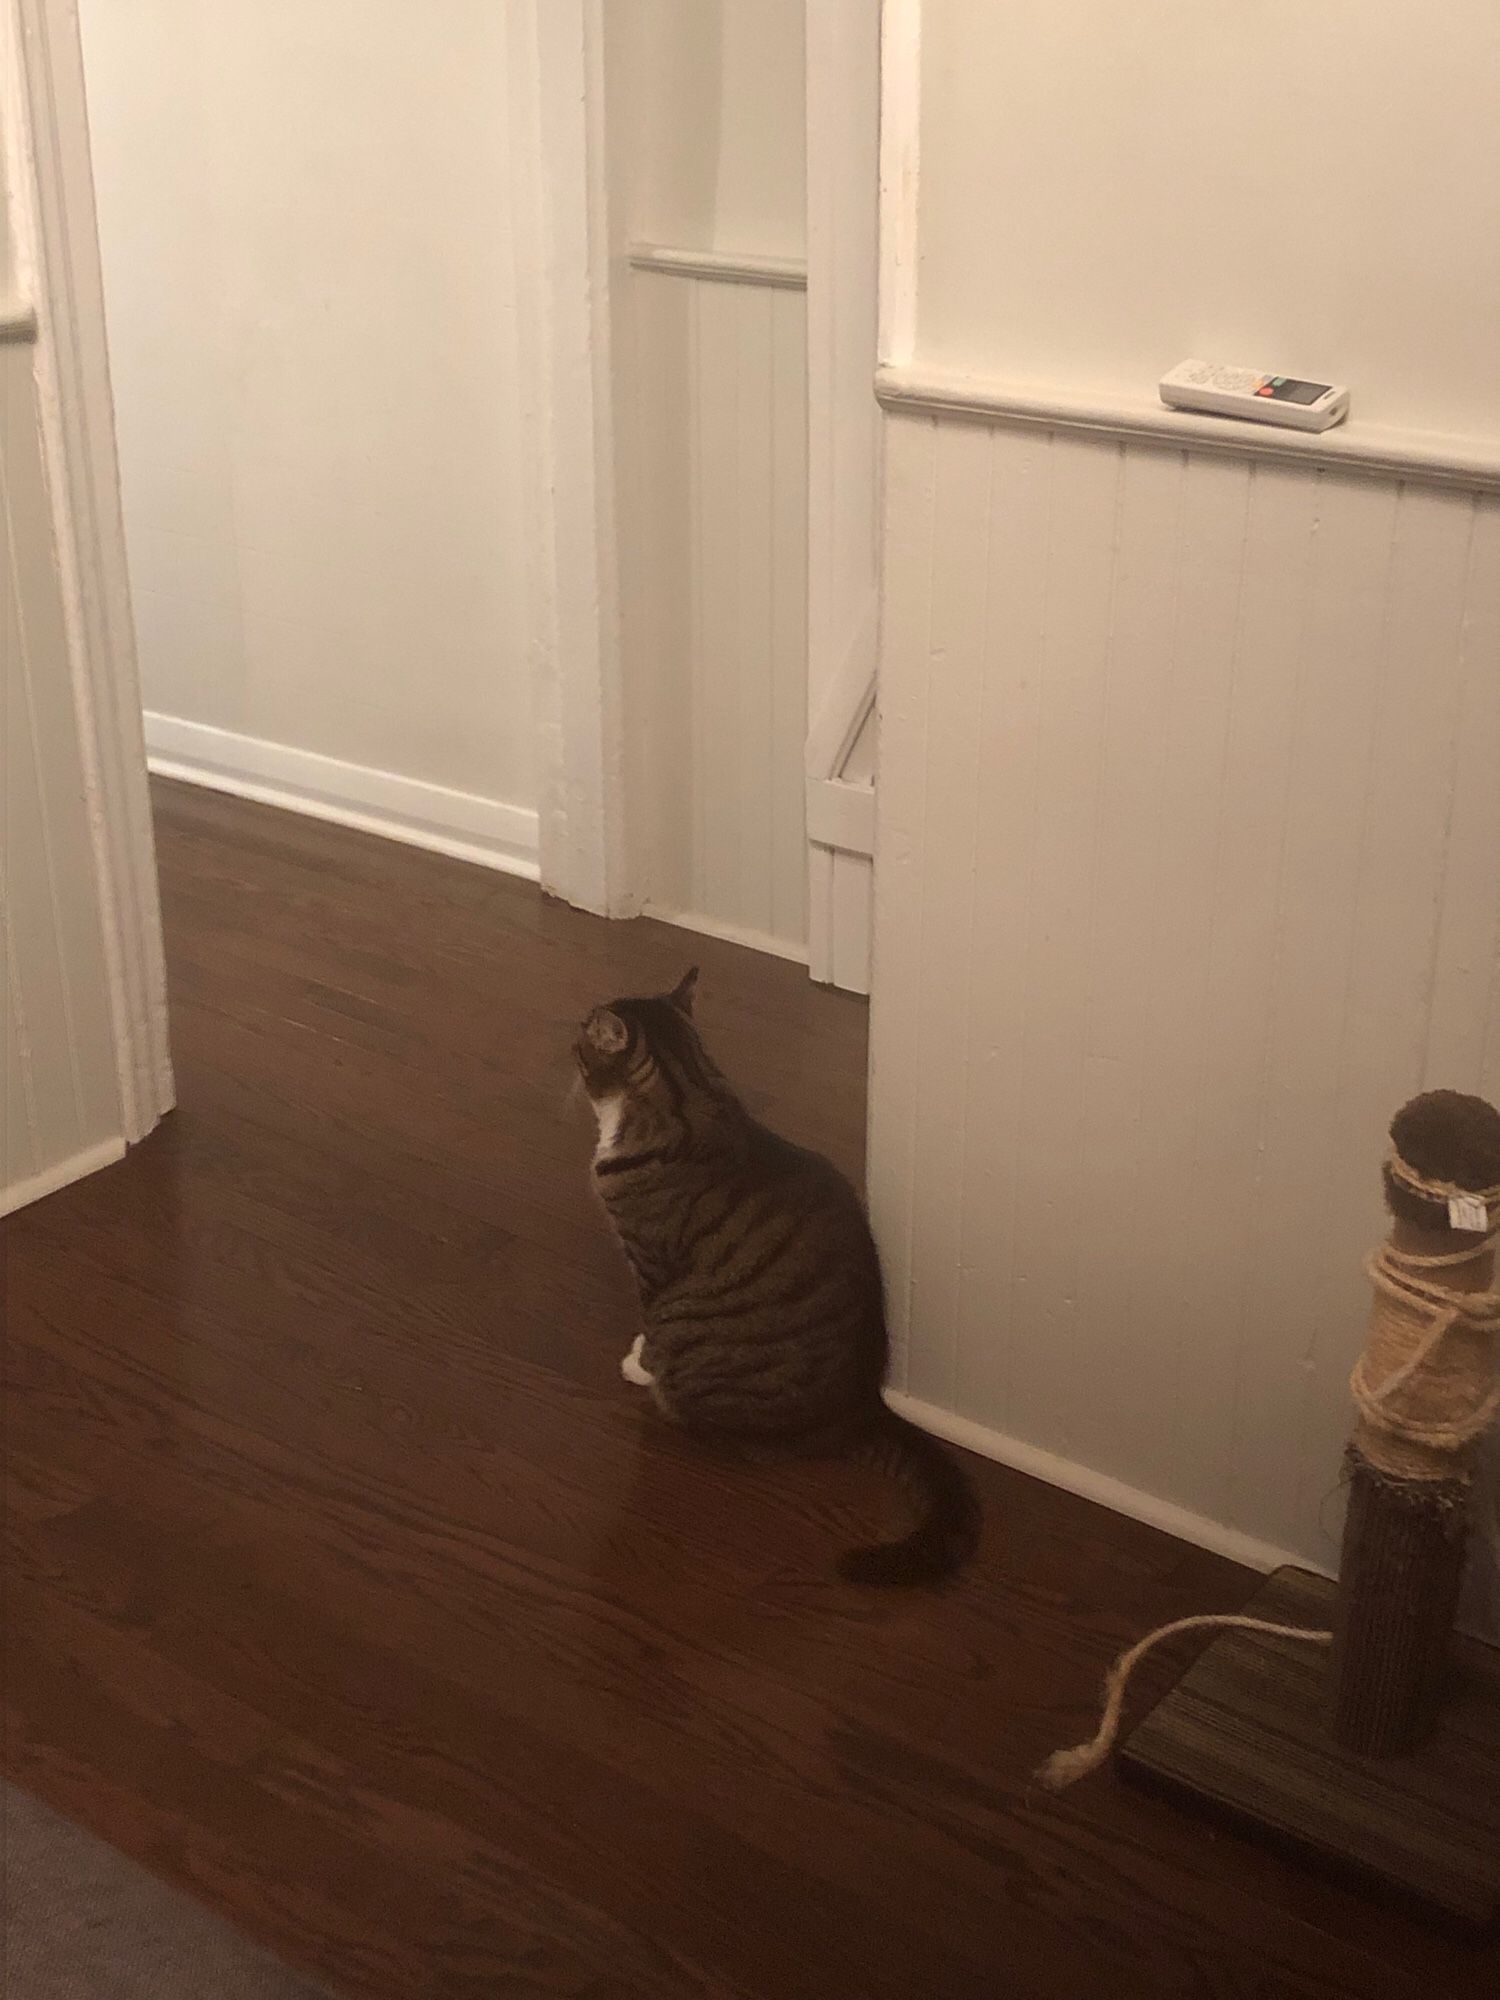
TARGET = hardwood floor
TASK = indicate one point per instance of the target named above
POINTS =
(349, 1588)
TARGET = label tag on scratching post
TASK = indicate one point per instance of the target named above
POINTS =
(1466, 1212)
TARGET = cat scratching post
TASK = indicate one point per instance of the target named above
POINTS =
(1345, 1720)
(1424, 1392)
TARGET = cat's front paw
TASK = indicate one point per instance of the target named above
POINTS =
(631, 1366)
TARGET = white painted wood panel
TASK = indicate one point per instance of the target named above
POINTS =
(62, 1113)
(1190, 873)
(843, 121)
(714, 582)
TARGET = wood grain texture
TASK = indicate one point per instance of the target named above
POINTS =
(349, 1588)
(1189, 874)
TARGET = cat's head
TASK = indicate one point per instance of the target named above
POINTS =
(627, 1046)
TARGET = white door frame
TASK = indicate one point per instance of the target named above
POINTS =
(563, 229)
(49, 184)
(843, 116)
(563, 250)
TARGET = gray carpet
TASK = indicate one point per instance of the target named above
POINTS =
(84, 1923)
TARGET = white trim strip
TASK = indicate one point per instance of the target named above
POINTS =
(788, 274)
(17, 320)
(1473, 463)
(689, 920)
(555, 74)
(61, 1174)
(841, 815)
(1098, 1486)
(459, 824)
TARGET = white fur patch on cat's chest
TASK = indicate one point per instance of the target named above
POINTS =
(610, 1112)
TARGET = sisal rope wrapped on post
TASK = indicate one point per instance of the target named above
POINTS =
(1424, 1391)
(1424, 1388)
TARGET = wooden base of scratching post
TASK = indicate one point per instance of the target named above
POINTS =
(1245, 1733)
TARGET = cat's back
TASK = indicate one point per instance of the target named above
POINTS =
(771, 1306)
(803, 1178)
(784, 1209)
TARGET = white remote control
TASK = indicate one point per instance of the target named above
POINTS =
(1216, 391)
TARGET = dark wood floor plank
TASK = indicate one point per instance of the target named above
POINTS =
(349, 1587)
(354, 1859)
(407, 1722)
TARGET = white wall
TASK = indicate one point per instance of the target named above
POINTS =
(705, 111)
(706, 102)
(1189, 829)
(307, 245)
(1307, 188)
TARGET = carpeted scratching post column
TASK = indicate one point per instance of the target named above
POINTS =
(1424, 1392)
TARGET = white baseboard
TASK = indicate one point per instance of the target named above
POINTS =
(1111, 1493)
(61, 1174)
(460, 824)
(689, 920)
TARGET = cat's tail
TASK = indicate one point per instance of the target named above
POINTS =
(947, 1508)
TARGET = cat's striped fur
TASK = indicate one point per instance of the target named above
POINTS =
(764, 1316)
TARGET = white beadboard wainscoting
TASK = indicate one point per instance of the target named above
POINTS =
(713, 589)
(1189, 874)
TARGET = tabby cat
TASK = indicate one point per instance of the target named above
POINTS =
(764, 1317)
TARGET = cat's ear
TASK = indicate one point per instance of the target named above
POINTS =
(606, 1032)
(682, 993)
